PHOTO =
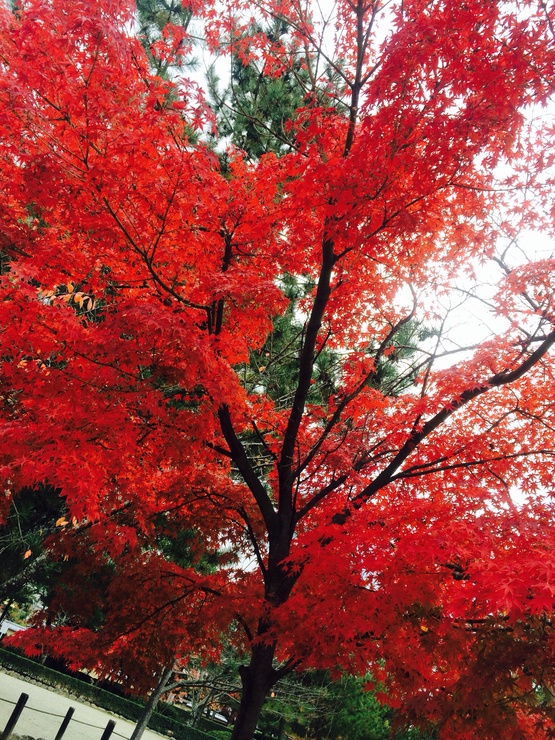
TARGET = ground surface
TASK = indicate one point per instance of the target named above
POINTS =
(46, 708)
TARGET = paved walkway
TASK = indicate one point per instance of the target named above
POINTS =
(46, 708)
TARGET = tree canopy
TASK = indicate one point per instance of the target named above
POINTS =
(259, 348)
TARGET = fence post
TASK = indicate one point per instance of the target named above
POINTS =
(65, 723)
(14, 716)
(108, 731)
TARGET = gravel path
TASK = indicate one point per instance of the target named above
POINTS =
(46, 708)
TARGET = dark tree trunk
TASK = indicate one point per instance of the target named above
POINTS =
(5, 612)
(260, 675)
(257, 679)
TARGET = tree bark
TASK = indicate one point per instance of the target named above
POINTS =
(257, 679)
(5, 612)
(4, 615)
(151, 704)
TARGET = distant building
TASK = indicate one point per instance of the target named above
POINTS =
(7, 627)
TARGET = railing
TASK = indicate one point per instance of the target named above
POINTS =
(68, 717)
(168, 720)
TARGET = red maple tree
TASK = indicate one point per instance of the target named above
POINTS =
(376, 528)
